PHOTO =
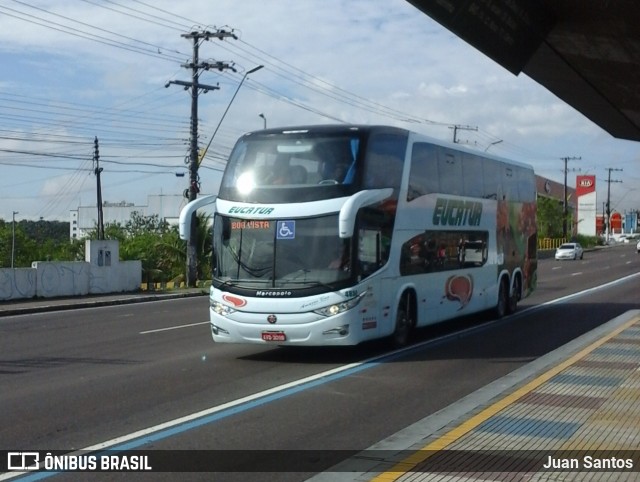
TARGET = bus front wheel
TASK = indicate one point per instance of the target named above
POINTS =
(402, 329)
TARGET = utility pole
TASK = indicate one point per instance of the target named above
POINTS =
(607, 219)
(97, 171)
(13, 238)
(457, 127)
(564, 198)
(194, 180)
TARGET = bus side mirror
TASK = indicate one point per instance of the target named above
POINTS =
(349, 210)
(184, 223)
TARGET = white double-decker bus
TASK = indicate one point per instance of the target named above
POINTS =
(333, 235)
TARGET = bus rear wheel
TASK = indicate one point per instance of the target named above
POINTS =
(515, 296)
(503, 299)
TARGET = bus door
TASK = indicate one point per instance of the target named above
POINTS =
(373, 252)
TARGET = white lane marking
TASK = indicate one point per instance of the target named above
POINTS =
(576, 274)
(177, 327)
(557, 267)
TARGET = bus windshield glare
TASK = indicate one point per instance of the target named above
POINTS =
(292, 167)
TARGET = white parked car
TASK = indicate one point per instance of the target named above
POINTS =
(638, 247)
(569, 251)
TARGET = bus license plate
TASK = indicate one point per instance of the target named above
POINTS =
(274, 336)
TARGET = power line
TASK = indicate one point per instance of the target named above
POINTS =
(155, 51)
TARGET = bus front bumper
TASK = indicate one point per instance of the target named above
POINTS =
(304, 329)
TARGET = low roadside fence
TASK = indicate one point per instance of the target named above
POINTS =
(550, 243)
(171, 285)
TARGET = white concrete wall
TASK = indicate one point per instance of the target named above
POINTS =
(61, 278)
(102, 272)
(17, 283)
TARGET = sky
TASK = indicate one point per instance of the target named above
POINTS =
(76, 70)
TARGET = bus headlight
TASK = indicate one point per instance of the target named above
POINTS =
(220, 309)
(341, 307)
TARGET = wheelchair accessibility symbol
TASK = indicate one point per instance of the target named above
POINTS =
(286, 230)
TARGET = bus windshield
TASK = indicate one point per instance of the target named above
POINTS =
(300, 253)
(292, 166)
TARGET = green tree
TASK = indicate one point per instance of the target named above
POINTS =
(139, 224)
(38, 241)
(142, 246)
(23, 246)
(549, 218)
(174, 252)
(205, 246)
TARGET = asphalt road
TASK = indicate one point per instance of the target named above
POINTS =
(73, 379)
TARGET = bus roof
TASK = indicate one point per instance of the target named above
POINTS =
(321, 128)
(337, 128)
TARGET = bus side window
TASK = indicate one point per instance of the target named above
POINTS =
(450, 170)
(473, 181)
(492, 180)
(510, 185)
(423, 176)
(436, 250)
(383, 171)
(385, 162)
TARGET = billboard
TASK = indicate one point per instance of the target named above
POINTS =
(587, 204)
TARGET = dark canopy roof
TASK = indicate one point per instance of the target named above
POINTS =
(586, 52)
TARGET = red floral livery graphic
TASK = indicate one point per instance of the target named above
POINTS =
(234, 300)
(459, 288)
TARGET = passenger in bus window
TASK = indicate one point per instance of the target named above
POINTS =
(341, 259)
(461, 252)
(442, 256)
(428, 253)
(280, 172)
(339, 172)
(298, 175)
(333, 172)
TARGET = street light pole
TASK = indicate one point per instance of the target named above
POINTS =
(264, 119)
(255, 69)
(13, 238)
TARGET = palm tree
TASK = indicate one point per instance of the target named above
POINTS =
(173, 251)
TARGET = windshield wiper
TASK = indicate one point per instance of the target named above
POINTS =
(224, 283)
